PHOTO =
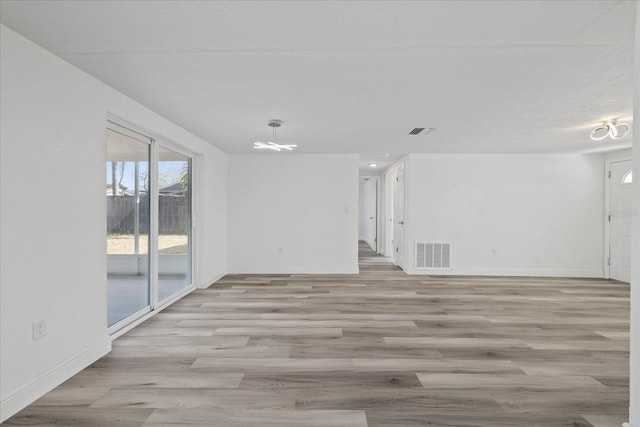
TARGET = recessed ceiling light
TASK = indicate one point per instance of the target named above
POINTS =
(373, 165)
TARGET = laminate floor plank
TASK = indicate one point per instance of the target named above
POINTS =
(314, 380)
(416, 418)
(171, 343)
(253, 418)
(298, 323)
(280, 364)
(152, 380)
(443, 342)
(257, 331)
(79, 417)
(369, 347)
(380, 348)
(435, 365)
(214, 399)
(72, 396)
(488, 381)
(441, 402)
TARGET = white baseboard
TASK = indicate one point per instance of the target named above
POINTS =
(204, 284)
(52, 378)
(521, 272)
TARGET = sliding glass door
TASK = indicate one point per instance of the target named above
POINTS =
(128, 284)
(174, 222)
(149, 210)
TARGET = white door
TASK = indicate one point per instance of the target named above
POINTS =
(398, 233)
(371, 213)
(389, 183)
(620, 221)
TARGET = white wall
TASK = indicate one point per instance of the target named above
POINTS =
(618, 155)
(293, 213)
(53, 215)
(634, 357)
(212, 210)
(508, 214)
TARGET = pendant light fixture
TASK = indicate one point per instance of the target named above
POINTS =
(273, 145)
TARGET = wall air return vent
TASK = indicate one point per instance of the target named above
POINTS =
(433, 256)
(421, 131)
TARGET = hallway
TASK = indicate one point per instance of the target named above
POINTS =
(368, 259)
(376, 349)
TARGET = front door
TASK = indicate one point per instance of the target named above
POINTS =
(620, 220)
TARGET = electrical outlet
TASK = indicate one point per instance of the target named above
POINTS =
(39, 329)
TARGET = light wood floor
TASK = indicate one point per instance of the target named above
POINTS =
(378, 349)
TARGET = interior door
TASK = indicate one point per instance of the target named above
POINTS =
(398, 233)
(389, 183)
(620, 196)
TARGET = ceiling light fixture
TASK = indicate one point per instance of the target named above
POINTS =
(611, 129)
(373, 165)
(273, 145)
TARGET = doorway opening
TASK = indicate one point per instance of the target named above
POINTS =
(368, 211)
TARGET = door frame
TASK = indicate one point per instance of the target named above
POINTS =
(389, 214)
(155, 142)
(143, 137)
(607, 210)
(379, 205)
(397, 166)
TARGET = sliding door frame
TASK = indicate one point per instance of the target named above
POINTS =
(155, 305)
(192, 207)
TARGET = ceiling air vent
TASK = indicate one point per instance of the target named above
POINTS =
(423, 131)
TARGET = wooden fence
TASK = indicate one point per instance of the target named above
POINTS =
(173, 214)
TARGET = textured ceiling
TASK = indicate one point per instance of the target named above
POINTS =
(355, 77)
